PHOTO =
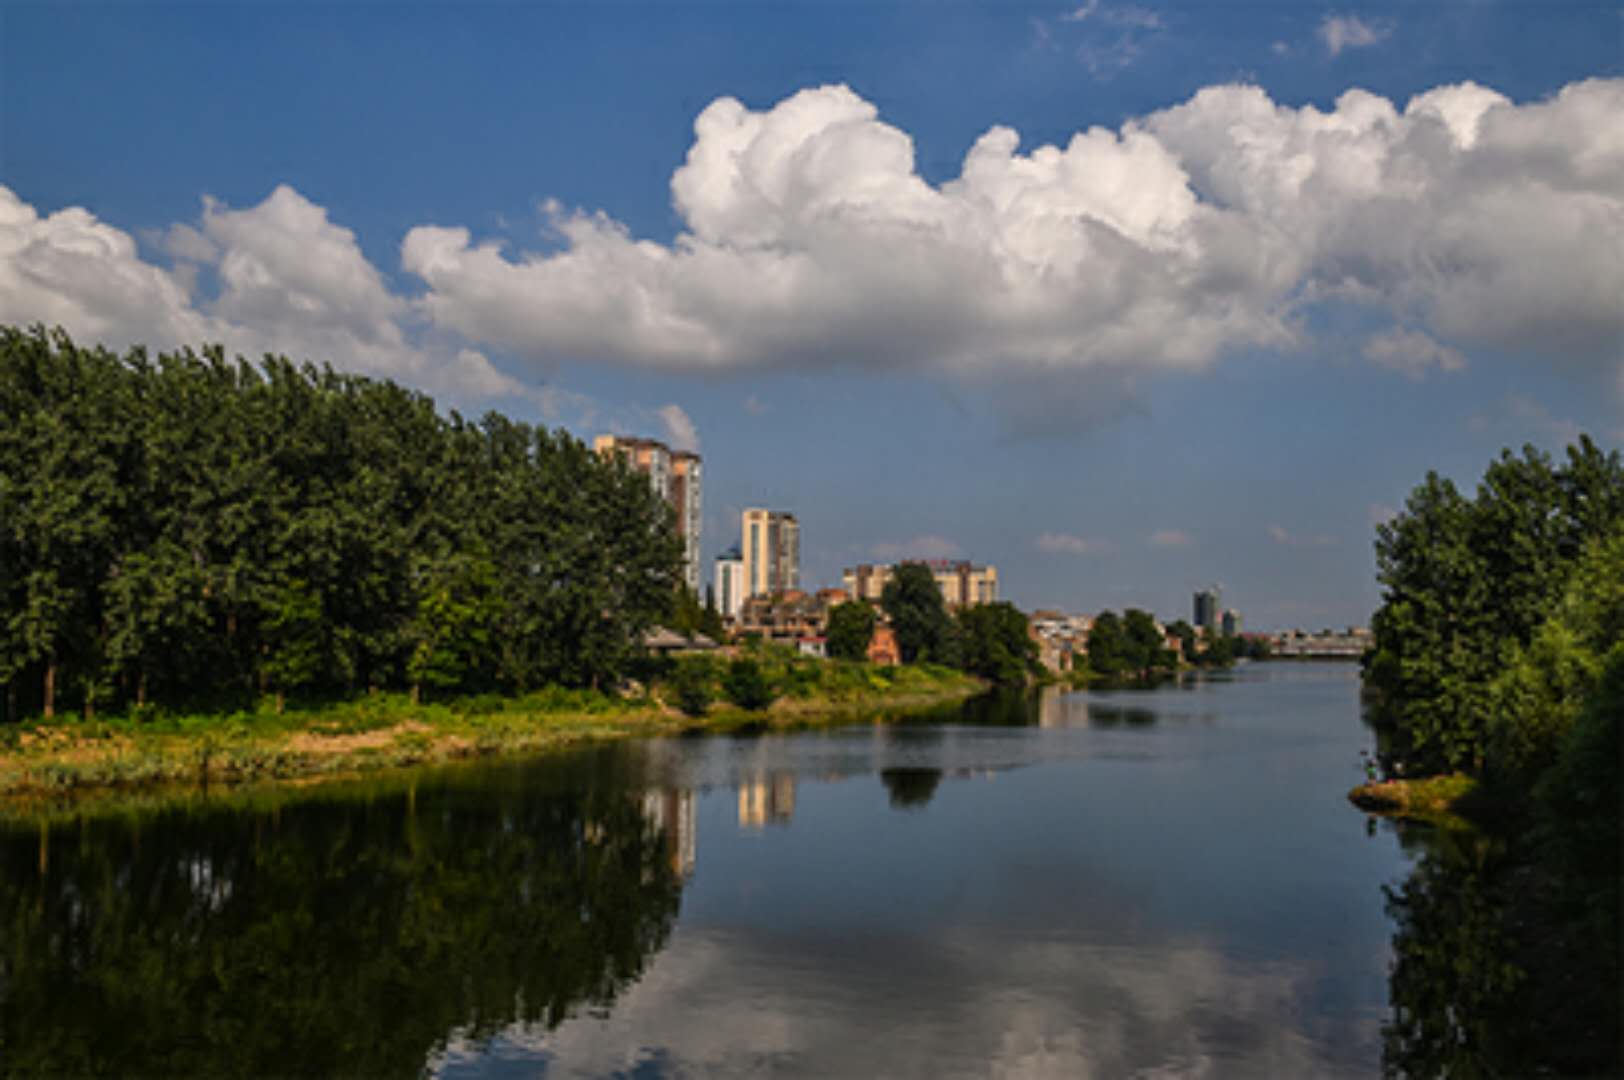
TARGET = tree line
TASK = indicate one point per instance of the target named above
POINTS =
(184, 529)
(1500, 613)
(992, 640)
(1499, 653)
(986, 640)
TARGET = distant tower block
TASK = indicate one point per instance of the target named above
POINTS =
(772, 552)
(1207, 603)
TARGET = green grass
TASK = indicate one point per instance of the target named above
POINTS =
(374, 732)
(1440, 799)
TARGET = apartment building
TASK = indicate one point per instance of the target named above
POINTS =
(962, 583)
(771, 541)
(729, 586)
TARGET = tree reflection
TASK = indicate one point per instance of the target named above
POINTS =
(340, 936)
(910, 788)
(1454, 989)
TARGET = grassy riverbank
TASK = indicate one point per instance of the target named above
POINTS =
(46, 760)
(1436, 799)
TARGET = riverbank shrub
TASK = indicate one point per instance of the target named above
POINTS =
(691, 683)
(747, 686)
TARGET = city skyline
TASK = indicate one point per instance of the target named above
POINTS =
(1124, 299)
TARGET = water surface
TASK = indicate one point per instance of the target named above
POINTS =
(1163, 882)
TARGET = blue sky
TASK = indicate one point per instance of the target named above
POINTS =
(1223, 326)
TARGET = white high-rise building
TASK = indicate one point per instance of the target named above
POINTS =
(729, 583)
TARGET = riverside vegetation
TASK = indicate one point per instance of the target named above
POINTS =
(215, 569)
(1496, 689)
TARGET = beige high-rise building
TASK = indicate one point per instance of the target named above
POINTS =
(771, 543)
(676, 475)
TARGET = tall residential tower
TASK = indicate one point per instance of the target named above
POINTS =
(772, 552)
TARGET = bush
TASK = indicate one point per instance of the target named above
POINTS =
(691, 682)
(747, 686)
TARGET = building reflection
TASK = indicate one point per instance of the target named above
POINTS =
(767, 800)
(671, 813)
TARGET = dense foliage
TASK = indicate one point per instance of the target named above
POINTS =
(1500, 652)
(994, 643)
(186, 527)
(851, 626)
(913, 602)
(1468, 585)
(1128, 646)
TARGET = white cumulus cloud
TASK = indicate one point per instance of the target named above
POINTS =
(1412, 353)
(679, 428)
(1067, 544)
(1341, 32)
(810, 240)
(1057, 278)
(288, 281)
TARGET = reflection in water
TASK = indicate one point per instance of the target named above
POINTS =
(671, 813)
(1454, 988)
(767, 800)
(910, 788)
(1491, 975)
(340, 935)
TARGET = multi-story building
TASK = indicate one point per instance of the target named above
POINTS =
(1231, 622)
(1207, 602)
(789, 617)
(962, 583)
(772, 552)
(1061, 638)
(677, 477)
(729, 587)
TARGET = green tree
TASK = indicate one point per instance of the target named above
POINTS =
(1144, 648)
(1542, 691)
(1107, 646)
(1187, 641)
(913, 602)
(450, 636)
(995, 643)
(1466, 584)
(851, 626)
(184, 529)
(1222, 651)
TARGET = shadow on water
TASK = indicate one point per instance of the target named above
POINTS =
(331, 935)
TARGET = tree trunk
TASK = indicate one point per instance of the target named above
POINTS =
(281, 701)
(50, 688)
(141, 689)
(417, 693)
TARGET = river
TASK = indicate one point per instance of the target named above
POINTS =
(1158, 882)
